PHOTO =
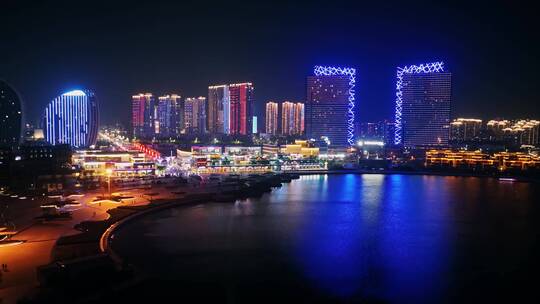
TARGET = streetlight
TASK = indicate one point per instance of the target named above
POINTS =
(109, 172)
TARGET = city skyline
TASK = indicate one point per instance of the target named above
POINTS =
(481, 65)
(165, 120)
(279, 151)
(216, 119)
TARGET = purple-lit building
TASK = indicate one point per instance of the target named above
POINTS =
(423, 104)
(330, 102)
(195, 115)
(170, 115)
(219, 107)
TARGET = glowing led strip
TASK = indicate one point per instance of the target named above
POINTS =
(426, 68)
(351, 72)
(70, 119)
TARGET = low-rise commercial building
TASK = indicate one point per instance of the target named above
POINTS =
(478, 159)
(218, 159)
(116, 163)
(300, 148)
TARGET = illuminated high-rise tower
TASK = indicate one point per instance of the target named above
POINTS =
(423, 104)
(299, 118)
(329, 109)
(169, 115)
(72, 118)
(241, 105)
(10, 116)
(271, 118)
(287, 117)
(195, 115)
(292, 118)
(218, 109)
(143, 115)
(137, 114)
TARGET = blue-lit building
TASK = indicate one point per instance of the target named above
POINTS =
(72, 118)
(330, 105)
(255, 126)
(170, 115)
(10, 116)
(423, 105)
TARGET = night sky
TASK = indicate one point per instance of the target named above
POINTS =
(120, 49)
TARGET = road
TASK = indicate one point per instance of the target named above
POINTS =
(19, 279)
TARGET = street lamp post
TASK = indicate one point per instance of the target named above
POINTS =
(109, 174)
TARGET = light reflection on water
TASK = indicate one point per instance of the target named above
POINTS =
(369, 245)
(395, 238)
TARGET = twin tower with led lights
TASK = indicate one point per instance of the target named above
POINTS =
(422, 105)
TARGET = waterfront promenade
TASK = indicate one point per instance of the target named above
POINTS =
(39, 237)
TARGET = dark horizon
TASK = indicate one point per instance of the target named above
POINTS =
(121, 49)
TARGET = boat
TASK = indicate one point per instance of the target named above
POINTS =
(507, 179)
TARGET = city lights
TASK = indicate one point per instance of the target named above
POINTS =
(253, 152)
(362, 143)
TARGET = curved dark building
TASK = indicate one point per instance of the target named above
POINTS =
(72, 118)
(10, 116)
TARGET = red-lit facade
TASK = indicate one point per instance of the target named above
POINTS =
(241, 114)
(137, 113)
(148, 151)
(142, 115)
